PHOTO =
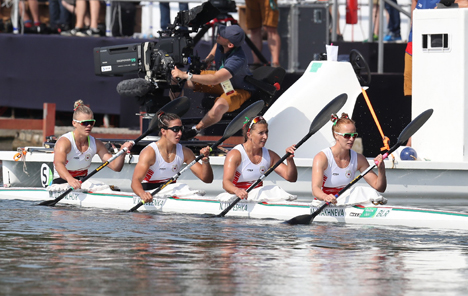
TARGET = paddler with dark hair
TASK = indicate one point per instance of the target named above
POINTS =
(160, 160)
(74, 151)
(247, 162)
(335, 167)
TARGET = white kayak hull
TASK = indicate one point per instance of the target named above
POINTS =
(405, 179)
(368, 214)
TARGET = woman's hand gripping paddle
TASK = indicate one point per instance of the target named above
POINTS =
(320, 120)
(235, 125)
(178, 106)
(409, 130)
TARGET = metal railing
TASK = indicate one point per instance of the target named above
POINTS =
(380, 52)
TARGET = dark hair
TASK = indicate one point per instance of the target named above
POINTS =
(337, 122)
(80, 107)
(247, 126)
(164, 119)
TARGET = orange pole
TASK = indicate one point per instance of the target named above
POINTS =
(386, 140)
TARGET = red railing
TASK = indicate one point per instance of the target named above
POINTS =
(46, 124)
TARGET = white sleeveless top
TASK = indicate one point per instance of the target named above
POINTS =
(247, 172)
(336, 178)
(78, 162)
(161, 171)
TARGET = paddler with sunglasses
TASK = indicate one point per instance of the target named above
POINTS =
(247, 162)
(160, 161)
(334, 167)
(74, 151)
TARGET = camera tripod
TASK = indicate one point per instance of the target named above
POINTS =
(224, 18)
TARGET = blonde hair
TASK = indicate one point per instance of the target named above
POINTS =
(80, 107)
(339, 121)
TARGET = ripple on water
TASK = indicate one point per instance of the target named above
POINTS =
(66, 250)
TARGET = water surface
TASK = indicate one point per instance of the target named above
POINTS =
(73, 251)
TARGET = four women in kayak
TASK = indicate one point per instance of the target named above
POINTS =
(333, 168)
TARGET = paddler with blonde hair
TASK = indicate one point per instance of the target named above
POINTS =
(335, 167)
(74, 151)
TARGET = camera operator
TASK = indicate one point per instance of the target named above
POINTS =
(227, 81)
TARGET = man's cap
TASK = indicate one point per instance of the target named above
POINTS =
(233, 33)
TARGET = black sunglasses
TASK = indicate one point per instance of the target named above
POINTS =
(86, 122)
(175, 129)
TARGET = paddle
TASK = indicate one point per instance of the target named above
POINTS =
(235, 125)
(320, 120)
(409, 130)
(178, 106)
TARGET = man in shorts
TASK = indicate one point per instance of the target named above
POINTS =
(227, 81)
(264, 13)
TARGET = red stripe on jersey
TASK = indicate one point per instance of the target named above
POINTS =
(148, 176)
(330, 190)
(236, 177)
(160, 181)
(245, 185)
(80, 173)
(324, 180)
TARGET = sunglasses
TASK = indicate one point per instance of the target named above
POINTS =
(86, 122)
(175, 129)
(347, 135)
(254, 121)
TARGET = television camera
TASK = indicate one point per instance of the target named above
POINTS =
(155, 59)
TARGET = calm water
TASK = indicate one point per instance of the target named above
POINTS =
(72, 251)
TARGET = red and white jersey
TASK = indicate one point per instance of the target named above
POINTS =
(78, 162)
(161, 171)
(247, 172)
(336, 178)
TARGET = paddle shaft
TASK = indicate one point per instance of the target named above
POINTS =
(178, 106)
(176, 176)
(271, 169)
(407, 132)
(230, 130)
(320, 120)
(52, 203)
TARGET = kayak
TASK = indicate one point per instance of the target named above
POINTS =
(196, 202)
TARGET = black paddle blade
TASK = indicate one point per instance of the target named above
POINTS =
(238, 122)
(179, 106)
(135, 207)
(414, 125)
(300, 220)
(209, 216)
(51, 203)
(48, 203)
(324, 116)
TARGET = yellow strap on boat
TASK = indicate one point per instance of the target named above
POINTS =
(385, 140)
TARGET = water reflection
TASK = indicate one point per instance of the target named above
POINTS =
(66, 250)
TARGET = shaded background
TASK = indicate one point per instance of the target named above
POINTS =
(47, 68)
